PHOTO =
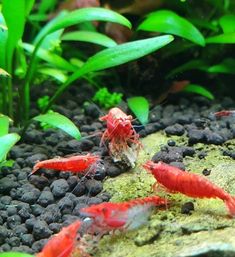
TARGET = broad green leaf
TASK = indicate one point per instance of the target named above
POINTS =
(52, 41)
(4, 73)
(46, 5)
(6, 142)
(54, 73)
(28, 6)
(140, 107)
(115, 56)
(228, 38)
(191, 65)
(201, 23)
(51, 58)
(166, 21)
(3, 41)
(14, 14)
(37, 17)
(15, 254)
(200, 90)
(78, 16)
(226, 66)
(7, 163)
(60, 121)
(227, 22)
(76, 62)
(89, 36)
(4, 124)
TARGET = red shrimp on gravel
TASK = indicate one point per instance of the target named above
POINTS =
(128, 215)
(190, 184)
(76, 164)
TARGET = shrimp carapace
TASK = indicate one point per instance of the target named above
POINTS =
(126, 215)
(76, 164)
(63, 243)
(193, 185)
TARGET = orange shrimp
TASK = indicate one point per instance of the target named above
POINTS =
(63, 243)
(225, 113)
(77, 163)
(120, 132)
(127, 215)
(193, 185)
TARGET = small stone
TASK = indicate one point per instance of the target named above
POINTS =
(30, 197)
(11, 210)
(33, 159)
(206, 172)
(27, 239)
(37, 209)
(196, 136)
(4, 232)
(38, 245)
(113, 171)
(65, 205)
(20, 230)
(187, 208)
(175, 129)
(39, 181)
(41, 230)
(94, 187)
(178, 165)
(13, 241)
(171, 142)
(6, 184)
(45, 198)
(13, 221)
(59, 188)
(92, 110)
(55, 227)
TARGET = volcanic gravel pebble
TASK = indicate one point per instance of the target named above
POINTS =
(59, 188)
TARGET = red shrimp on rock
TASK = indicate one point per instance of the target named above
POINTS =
(76, 164)
(175, 180)
(123, 140)
(225, 113)
(125, 216)
(63, 243)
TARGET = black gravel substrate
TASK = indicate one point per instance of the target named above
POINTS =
(31, 210)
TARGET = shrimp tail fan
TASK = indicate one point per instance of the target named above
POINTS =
(230, 204)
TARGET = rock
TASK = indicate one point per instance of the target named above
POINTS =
(45, 198)
(27, 239)
(59, 188)
(93, 187)
(41, 230)
(187, 208)
(6, 184)
(13, 221)
(39, 181)
(175, 129)
(33, 159)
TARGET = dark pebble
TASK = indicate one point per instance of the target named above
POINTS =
(5, 247)
(23, 249)
(68, 219)
(214, 138)
(41, 230)
(72, 182)
(33, 136)
(202, 155)
(38, 245)
(20, 230)
(206, 172)
(51, 214)
(86, 144)
(92, 110)
(13, 241)
(80, 188)
(6, 184)
(29, 223)
(187, 208)
(196, 136)
(172, 156)
(77, 208)
(3, 215)
(33, 159)
(5, 199)
(94, 187)
(45, 198)
(100, 172)
(65, 205)
(113, 170)
(39, 181)
(178, 165)
(55, 227)
(11, 210)
(27, 239)
(31, 197)
(59, 188)
(175, 129)
(4, 232)
(24, 213)
(171, 142)
(13, 221)
(37, 209)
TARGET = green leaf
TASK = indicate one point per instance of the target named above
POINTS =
(4, 73)
(54, 73)
(46, 5)
(7, 163)
(226, 66)
(3, 41)
(28, 6)
(191, 65)
(227, 22)
(60, 121)
(14, 14)
(228, 38)
(200, 90)
(81, 15)
(51, 58)
(115, 56)
(140, 107)
(166, 21)
(52, 41)
(204, 24)
(6, 142)
(4, 124)
(89, 36)
(15, 254)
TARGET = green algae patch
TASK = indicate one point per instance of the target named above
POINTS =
(170, 233)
